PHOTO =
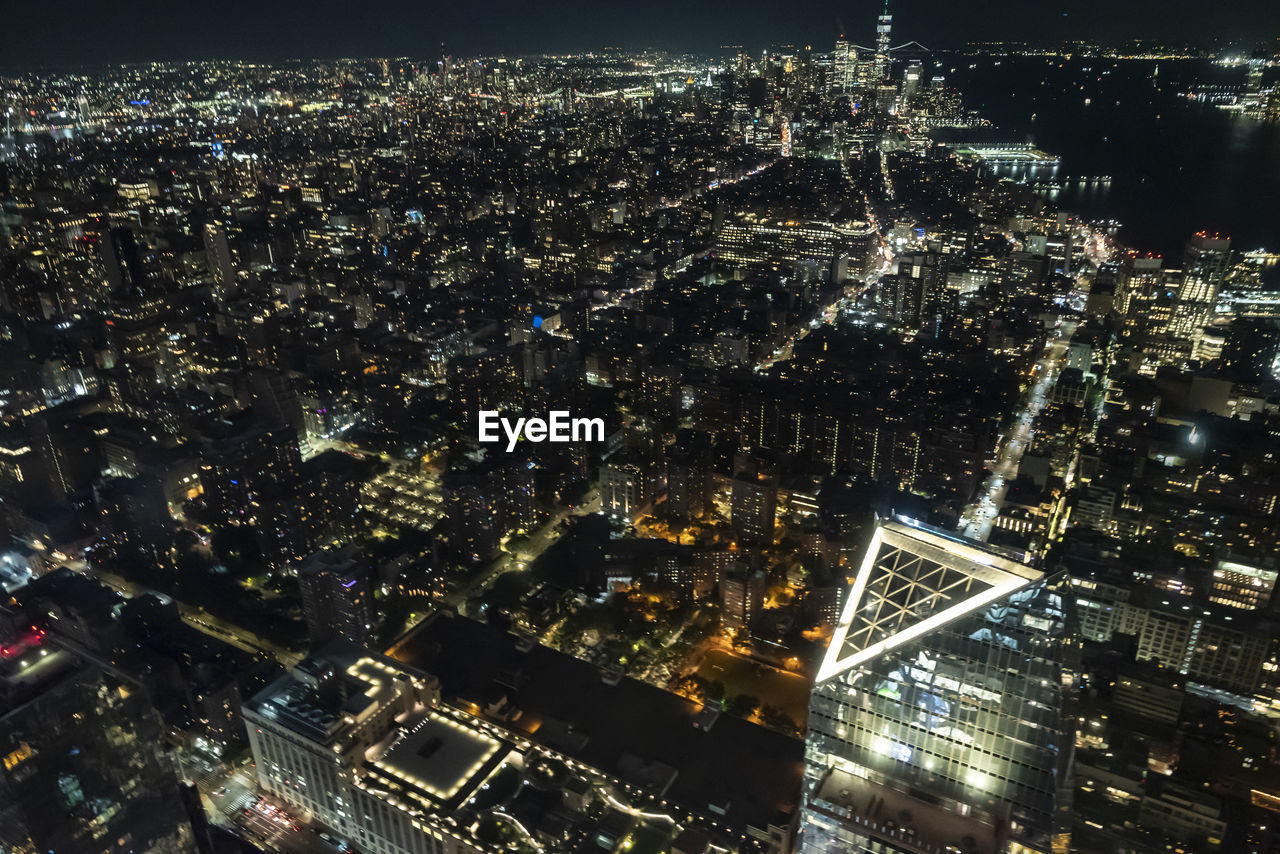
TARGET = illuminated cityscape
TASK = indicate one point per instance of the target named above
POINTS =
(858, 432)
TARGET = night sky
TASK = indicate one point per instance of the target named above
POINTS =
(91, 31)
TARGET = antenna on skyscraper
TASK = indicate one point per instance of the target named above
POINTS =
(884, 24)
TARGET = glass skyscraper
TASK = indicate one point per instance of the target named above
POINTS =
(81, 762)
(940, 719)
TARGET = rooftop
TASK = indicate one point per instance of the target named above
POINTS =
(914, 825)
(437, 758)
(328, 696)
(914, 579)
(738, 772)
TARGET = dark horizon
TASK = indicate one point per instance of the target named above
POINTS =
(76, 32)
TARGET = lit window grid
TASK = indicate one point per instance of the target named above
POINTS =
(1016, 747)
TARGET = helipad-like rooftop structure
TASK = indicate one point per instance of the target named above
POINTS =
(437, 758)
(912, 580)
(940, 719)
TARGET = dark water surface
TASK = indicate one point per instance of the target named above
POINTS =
(1176, 165)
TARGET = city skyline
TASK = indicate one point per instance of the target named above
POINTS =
(837, 447)
(76, 32)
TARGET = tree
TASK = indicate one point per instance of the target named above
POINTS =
(775, 718)
(693, 686)
(715, 691)
(237, 547)
(743, 705)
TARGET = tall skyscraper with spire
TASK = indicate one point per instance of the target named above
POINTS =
(884, 24)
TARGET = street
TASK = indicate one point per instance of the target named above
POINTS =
(979, 517)
(232, 800)
(235, 635)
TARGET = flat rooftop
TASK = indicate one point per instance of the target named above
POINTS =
(740, 773)
(1007, 153)
(912, 824)
(439, 757)
(329, 693)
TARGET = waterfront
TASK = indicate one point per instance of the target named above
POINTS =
(1176, 165)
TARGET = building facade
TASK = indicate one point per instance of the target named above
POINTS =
(337, 596)
(937, 718)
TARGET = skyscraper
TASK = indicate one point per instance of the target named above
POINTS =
(1140, 284)
(845, 64)
(218, 253)
(912, 79)
(937, 718)
(688, 471)
(475, 516)
(82, 768)
(624, 488)
(753, 500)
(913, 298)
(741, 596)
(1204, 266)
(124, 264)
(884, 24)
(252, 477)
(336, 597)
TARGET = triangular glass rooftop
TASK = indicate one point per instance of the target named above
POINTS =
(913, 580)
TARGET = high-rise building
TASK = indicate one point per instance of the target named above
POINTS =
(475, 516)
(1142, 297)
(486, 381)
(912, 79)
(753, 501)
(31, 464)
(1204, 267)
(624, 488)
(913, 297)
(884, 24)
(886, 95)
(81, 768)
(688, 475)
(251, 478)
(218, 254)
(1240, 585)
(741, 596)
(845, 66)
(1249, 350)
(940, 716)
(126, 270)
(516, 482)
(337, 596)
